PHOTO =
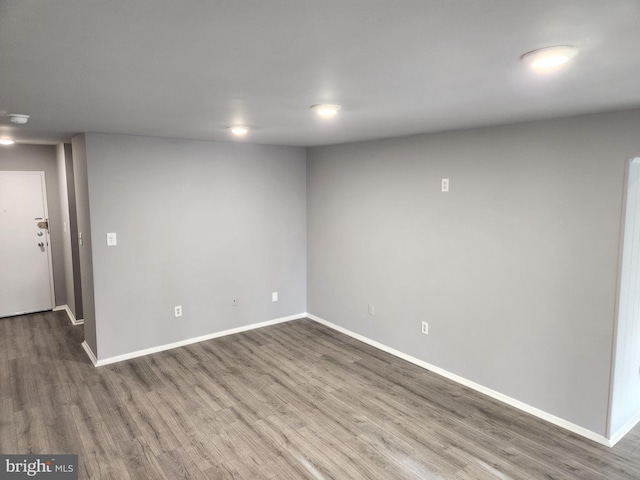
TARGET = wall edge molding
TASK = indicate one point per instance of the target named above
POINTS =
(626, 428)
(560, 422)
(70, 314)
(90, 353)
(168, 346)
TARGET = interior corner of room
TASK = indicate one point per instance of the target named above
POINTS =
(452, 183)
(520, 270)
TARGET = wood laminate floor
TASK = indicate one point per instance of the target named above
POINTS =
(290, 401)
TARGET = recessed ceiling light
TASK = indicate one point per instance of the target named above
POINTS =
(18, 118)
(550, 58)
(6, 141)
(239, 130)
(326, 110)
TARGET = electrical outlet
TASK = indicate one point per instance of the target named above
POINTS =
(425, 328)
(112, 239)
(274, 296)
(371, 311)
(234, 302)
(444, 186)
(177, 311)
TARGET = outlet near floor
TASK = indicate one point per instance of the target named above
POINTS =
(425, 328)
(177, 311)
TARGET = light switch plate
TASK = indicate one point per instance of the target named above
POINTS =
(112, 240)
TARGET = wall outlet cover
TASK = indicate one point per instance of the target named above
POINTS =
(112, 240)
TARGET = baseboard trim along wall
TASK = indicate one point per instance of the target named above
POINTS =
(70, 314)
(90, 353)
(182, 343)
(626, 428)
(477, 387)
(451, 376)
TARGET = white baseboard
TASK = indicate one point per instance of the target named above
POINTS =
(189, 341)
(90, 353)
(70, 314)
(475, 386)
(626, 428)
(451, 376)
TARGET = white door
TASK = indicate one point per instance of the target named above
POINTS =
(26, 276)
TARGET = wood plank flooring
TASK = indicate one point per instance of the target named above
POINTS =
(290, 401)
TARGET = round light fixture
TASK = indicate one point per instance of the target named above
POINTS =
(549, 58)
(6, 141)
(18, 118)
(326, 110)
(239, 130)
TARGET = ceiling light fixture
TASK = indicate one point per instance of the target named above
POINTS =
(18, 118)
(239, 130)
(6, 141)
(326, 110)
(549, 58)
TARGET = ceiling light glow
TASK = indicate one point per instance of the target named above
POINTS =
(19, 118)
(239, 130)
(550, 58)
(6, 141)
(326, 110)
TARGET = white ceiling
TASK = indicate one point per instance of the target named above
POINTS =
(190, 68)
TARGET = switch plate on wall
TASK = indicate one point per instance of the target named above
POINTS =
(274, 297)
(112, 240)
(371, 311)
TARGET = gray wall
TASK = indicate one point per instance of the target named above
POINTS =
(20, 157)
(198, 224)
(79, 152)
(515, 269)
(626, 386)
(65, 223)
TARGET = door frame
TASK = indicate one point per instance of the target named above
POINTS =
(45, 200)
(623, 372)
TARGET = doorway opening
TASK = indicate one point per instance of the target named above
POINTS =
(624, 410)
